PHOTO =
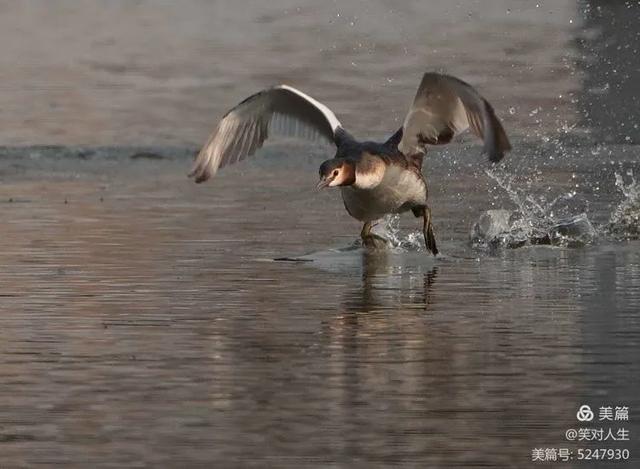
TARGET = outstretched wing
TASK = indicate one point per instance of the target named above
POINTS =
(444, 107)
(281, 109)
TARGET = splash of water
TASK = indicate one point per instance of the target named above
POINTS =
(624, 223)
(388, 228)
(562, 221)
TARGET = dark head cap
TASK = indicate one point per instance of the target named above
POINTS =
(336, 172)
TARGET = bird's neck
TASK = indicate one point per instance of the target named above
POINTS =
(369, 171)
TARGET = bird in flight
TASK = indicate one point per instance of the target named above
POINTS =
(375, 179)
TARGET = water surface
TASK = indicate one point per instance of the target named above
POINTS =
(144, 321)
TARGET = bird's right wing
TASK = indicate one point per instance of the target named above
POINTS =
(281, 109)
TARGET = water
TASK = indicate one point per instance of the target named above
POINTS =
(161, 72)
(562, 221)
(145, 323)
(625, 220)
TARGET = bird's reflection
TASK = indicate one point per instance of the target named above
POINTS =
(381, 341)
(388, 282)
(390, 301)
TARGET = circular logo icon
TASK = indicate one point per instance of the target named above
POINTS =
(585, 414)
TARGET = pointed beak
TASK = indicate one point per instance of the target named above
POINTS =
(324, 182)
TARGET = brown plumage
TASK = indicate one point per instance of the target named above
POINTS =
(446, 106)
(375, 178)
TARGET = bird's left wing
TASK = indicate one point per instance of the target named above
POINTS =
(445, 106)
(281, 109)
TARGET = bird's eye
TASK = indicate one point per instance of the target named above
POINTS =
(335, 172)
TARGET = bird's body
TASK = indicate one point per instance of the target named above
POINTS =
(375, 179)
(383, 185)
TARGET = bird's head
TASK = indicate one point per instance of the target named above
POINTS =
(337, 172)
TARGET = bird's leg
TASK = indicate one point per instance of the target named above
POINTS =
(366, 230)
(365, 234)
(369, 239)
(427, 231)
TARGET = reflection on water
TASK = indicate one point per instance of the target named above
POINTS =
(386, 279)
(144, 324)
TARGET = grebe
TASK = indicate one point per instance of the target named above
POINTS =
(375, 179)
